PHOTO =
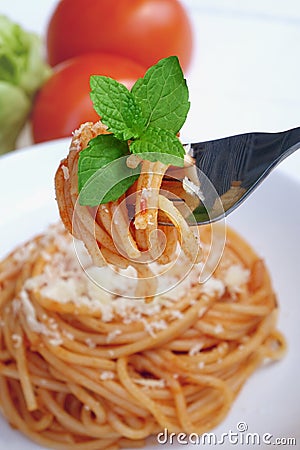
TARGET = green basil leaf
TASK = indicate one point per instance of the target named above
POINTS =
(159, 145)
(163, 95)
(103, 175)
(117, 108)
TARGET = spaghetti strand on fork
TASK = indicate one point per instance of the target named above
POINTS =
(109, 234)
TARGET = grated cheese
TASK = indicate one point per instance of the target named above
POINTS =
(56, 341)
(147, 382)
(66, 173)
(133, 161)
(146, 193)
(176, 314)
(22, 253)
(192, 189)
(195, 349)
(53, 325)
(151, 327)
(63, 280)
(90, 343)
(111, 292)
(17, 340)
(107, 375)
(68, 335)
(235, 277)
(219, 328)
(34, 323)
(112, 335)
(213, 287)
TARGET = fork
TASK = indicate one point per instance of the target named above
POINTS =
(220, 174)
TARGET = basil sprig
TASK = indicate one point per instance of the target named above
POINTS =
(143, 121)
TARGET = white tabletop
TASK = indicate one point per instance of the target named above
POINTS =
(245, 71)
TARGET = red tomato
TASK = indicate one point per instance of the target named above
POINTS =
(143, 30)
(63, 103)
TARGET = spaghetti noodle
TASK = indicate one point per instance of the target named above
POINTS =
(106, 230)
(82, 369)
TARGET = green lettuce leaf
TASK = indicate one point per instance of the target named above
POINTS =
(22, 72)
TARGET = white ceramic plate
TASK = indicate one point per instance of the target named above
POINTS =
(269, 404)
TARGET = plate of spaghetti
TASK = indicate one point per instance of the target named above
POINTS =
(100, 353)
